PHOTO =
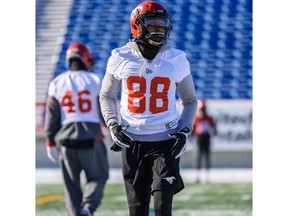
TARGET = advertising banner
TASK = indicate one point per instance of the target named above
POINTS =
(233, 121)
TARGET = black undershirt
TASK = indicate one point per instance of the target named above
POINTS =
(148, 51)
(76, 64)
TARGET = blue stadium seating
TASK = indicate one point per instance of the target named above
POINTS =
(215, 34)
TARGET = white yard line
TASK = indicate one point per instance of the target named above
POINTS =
(52, 175)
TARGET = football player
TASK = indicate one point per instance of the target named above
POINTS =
(149, 131)
(204, 127)
(73, 113)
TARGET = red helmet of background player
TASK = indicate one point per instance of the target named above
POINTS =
(141, 17)
(81, 52)
(201, 104)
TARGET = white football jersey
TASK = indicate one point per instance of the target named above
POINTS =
(77, 93)
(148, 99)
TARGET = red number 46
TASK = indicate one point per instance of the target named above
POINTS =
(84, 105)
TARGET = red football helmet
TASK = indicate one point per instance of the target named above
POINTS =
(80, 51)
(201, 104)
(143, 16)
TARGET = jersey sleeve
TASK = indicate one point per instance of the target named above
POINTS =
(97, 82)
(182, 66)
(188, 100)
(52, 88)
(114, 64)
(52, 118)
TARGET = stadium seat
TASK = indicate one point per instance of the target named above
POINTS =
(216, 36)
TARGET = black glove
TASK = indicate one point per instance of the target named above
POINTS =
(180, 145)
(115, 147)
(118, 136)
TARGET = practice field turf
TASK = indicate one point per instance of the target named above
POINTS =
(226, 199)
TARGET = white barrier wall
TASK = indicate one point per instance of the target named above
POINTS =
(234, 123)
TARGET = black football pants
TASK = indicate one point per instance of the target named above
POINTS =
(162, 205)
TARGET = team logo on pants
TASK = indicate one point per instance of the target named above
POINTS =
(169, 179)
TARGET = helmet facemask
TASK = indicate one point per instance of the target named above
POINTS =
(155, 29)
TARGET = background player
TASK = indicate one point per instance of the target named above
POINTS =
(153, 137)
(204, 128)
(73, 113)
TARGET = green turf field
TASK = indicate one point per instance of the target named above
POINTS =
(227, 199)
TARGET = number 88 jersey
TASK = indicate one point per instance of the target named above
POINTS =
(148, 97)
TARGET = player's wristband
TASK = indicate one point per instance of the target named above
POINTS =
(49, 143)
